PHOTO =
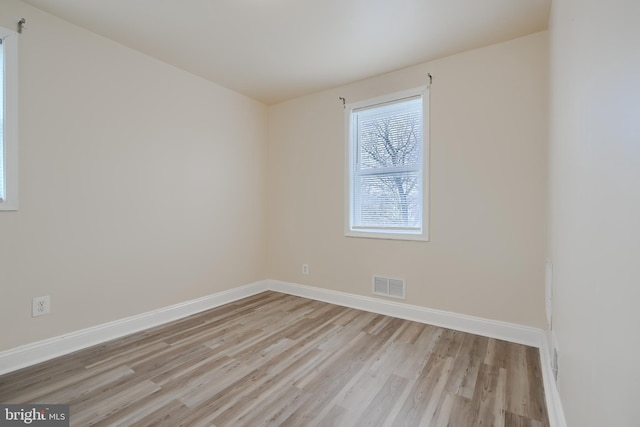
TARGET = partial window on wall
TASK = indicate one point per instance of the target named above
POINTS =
(388, 167)
(8, 120)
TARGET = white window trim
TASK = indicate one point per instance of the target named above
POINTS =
(349, 230)
(10, 138)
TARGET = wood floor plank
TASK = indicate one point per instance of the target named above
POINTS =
(281, 360)
(486, 395)
(427, 390)
(91, 414)
(168, 415)
(443, 417)
(379, 408)
(518, 400)
(467, 364)
(537, 405)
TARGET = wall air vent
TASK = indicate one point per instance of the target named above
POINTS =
(385, 286)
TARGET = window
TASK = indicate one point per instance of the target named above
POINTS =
(387, 167)
(8, 120)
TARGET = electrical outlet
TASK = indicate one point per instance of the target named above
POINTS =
(305, 268)
(41, 306)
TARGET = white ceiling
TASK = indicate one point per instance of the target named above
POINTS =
(273, 50)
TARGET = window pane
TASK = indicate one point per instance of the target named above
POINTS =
(8, 120)
(389, 200)
(2, 171)
(390, 136)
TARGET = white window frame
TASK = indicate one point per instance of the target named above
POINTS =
(419, 234)
(10, 128)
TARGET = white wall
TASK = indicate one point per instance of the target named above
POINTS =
(141, 185)
(487, 192)
(595, 208)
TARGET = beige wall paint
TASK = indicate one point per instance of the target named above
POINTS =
(595, 208)
(141, 185)
(487, 187)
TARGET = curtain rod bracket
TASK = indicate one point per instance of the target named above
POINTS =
(430, 78)
(344, 102)
(21, 23)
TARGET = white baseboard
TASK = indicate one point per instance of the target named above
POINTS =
(551, 394)
(476, 325)
(30, 354)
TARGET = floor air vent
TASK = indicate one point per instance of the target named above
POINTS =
(394, 288)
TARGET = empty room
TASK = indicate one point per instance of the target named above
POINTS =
(320, 213)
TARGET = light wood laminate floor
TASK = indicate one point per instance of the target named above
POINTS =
(276, 359)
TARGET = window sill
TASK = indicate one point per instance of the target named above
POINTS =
(423, 237)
